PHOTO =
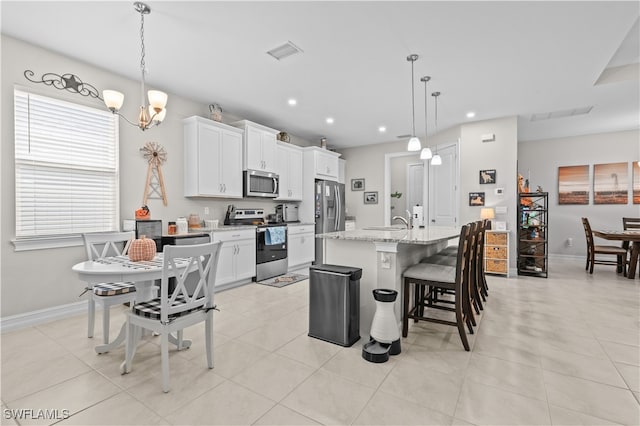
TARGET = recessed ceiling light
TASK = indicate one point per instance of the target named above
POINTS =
(382, 129)
(471, 114)
(292, 102)
(329, 120)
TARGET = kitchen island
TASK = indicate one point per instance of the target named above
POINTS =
(383, 253)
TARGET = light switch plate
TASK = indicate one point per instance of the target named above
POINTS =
(501, 209)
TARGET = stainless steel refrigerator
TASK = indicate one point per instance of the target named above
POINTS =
(329, 211)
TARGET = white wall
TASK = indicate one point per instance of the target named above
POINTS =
(40, 279)
(542, 158)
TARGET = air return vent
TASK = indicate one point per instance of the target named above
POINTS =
(561, 114)
(284, 51)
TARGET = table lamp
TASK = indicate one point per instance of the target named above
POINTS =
(487, 213)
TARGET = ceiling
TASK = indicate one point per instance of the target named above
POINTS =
(494, 58)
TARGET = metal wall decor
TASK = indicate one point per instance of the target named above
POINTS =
(68, 81)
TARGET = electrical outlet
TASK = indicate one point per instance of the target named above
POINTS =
(569, 242)
(206, 210)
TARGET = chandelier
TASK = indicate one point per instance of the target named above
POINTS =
(153, 113)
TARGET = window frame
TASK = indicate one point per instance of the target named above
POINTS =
(65, 239)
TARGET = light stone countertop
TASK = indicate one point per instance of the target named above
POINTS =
(424, 236)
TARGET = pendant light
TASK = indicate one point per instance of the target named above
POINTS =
(426, 153)
(152, 114)
(436, 160)
(414, 142)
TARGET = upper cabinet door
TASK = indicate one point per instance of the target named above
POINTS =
(253, 148)
(326, 165)
(289, 160)
(268, 148)
(209, 146)
(212, 159)
(259, 146)
(295, 174)
(231, 164)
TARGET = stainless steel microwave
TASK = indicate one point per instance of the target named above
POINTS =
(260, 184)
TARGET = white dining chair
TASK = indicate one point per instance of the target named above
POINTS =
(101, 245)
(172, 312)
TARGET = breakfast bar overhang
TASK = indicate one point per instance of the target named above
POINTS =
(383, 253)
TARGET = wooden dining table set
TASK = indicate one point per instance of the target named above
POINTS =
(633, 238)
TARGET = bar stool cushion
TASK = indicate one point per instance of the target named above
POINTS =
(432, 272)
(450, 251)
(440, 259)
(113, 289)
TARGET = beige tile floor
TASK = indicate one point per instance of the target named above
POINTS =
(562, 351)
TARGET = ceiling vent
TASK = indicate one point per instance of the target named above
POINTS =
(285, 50)
(561, 114)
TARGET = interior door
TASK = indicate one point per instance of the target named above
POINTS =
(443, 188)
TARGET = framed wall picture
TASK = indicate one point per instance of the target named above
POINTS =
(357, 184)
(573, 185)
(636, 181)
(476, 198)
(610, 183)
(487, 176)
(371, 197)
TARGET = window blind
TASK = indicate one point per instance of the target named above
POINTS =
(66, 166)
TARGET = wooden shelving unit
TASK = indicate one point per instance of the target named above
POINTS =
(533, 238)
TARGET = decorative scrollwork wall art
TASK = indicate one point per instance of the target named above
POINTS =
(68, 81)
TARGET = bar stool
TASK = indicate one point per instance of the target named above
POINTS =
(434, 277)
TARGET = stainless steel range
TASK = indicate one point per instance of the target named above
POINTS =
(271, 241)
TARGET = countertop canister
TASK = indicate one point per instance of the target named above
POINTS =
(183, 225)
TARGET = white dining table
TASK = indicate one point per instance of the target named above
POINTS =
(122, 269)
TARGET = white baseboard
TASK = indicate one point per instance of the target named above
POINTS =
(29, 319)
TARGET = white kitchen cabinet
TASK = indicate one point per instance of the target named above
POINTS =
(259, 144)
(290, 172)
(342, 166)
(324, 163)
(237, 262)
(212, 159)
(301, 245)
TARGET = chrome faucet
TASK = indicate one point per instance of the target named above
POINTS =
(407, 223)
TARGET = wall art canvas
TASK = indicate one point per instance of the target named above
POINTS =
(476, 198)
(487, 176)
(636, 182)
(610, 183)
(357, 184)
(573, 185)
(371, 197)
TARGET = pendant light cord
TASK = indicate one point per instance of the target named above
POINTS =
(435, 95)
(413, 104)
(143, 65)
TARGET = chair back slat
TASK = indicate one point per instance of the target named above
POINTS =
(630, 223)
(200, 260)
(588, 234)
(105, 244)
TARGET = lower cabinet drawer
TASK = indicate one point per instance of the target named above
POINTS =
(496, 266)
(493, 252)
(495, 238)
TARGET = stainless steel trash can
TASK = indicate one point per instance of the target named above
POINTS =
(334, 303)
